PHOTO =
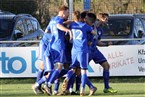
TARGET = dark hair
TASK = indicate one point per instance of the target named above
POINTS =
(63, 8)
(83, 14)
(76, 15)
(92, 17)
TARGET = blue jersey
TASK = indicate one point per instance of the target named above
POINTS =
(94, 39)
(99, 32)
(94, 53)
(57, 42)
(44, 45)
(80, 31)
(46, 38)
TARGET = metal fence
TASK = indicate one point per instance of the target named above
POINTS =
(34, 41)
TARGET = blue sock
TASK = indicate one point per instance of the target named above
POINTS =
(78, 82)
(49, 76)
(54, 75)
(106, 78)
(69, 74)
(39, 75)
(42, 80)
(83, 80)
(71, 81)
(56, 85)
(88, 82)
(62, 73)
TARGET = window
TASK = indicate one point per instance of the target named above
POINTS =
(138, 27)
(6, 27)
(20, 27)
(29, 26)
(143, 20)
(117, 27)
(34, 24)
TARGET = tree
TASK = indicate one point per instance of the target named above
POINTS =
(18, 6)
(42, 12)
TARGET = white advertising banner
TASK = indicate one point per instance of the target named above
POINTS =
(127, 60)
(18, 62)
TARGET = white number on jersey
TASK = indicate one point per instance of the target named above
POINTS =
(77, 34)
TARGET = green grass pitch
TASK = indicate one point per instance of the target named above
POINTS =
(124, 90)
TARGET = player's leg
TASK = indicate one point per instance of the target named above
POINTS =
(85, 80)
(59, 58)
(66, 82)
(106, 76)
(98, 57)
(58, 68)
(57, 81)
(69, 88)
(78, 80)
(83, 60)
(48, 67)
(69, 73)
(67, 64)
(71, 81)
(40, 71)
(42, 48)
(37, 88)
(56, 86)
(52, 78)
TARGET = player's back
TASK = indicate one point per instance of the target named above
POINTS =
(79, 31)
(57, 41)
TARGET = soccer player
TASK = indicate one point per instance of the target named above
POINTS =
(57, 44)
(78, 70)
(67, 63)
(96, 55)
(46, 62)
(80, 53)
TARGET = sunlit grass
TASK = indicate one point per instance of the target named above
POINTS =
(124, 90)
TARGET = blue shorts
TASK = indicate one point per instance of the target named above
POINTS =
(48, 64)
(43, 45)
(68, 54)
(68, 57)
(79, 59)
(68, 47)
(42, 48)
(96, 56)
(58, 56)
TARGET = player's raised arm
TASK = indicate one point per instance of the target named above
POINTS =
(64, 13)
(61, 27)
(67, 22)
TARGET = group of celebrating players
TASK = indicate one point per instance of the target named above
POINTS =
(66, 48)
